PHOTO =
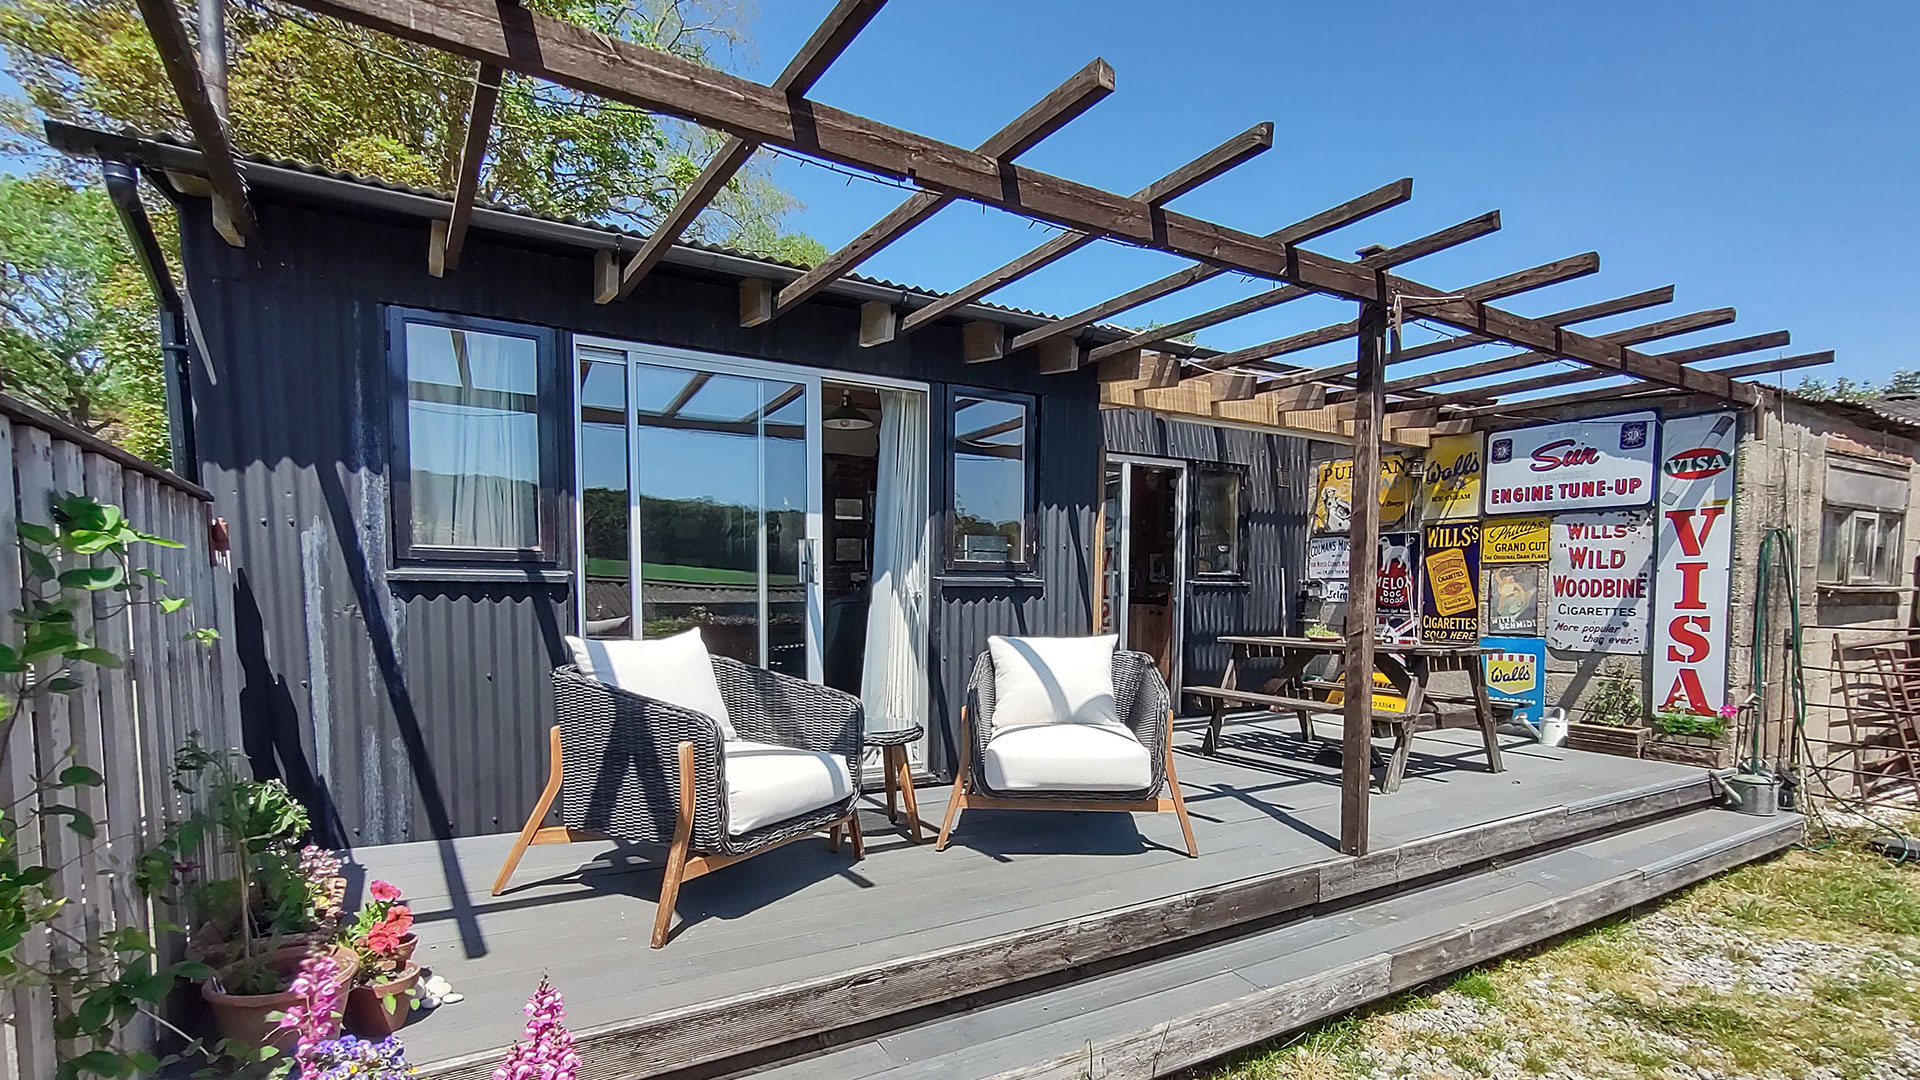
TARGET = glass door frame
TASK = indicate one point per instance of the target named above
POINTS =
(715, 363)
(1123, 552)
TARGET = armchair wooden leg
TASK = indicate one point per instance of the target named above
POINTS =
(892, 780)
(833, 838)
(854, 834)
(677, 854)
(959, 797)
(1179, 799)
(540, 808)
(912, 804)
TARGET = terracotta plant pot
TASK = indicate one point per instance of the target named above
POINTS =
(247, 1019)
(407, 941)
(378, 1010)
(1608, 739)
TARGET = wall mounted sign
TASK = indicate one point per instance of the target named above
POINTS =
(1600, 581)
(1513, 598)
(1333, 500)
(1396, 583)
(1580, 465)
(1517, 673)
(1328, 558)
(1450, 586)
(1453, 476)
(1514, 540)
(1692, 586)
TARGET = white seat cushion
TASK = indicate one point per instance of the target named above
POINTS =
(1042, 680)
(676, 670)
(1066, 757)
(768, 784)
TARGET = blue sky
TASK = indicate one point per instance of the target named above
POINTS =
(1758, 155)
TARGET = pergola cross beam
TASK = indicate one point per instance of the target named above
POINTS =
(829, 40)
(1071, 98)
(181, 61)
(1248, 144)
(1715, 351)
(1432, 243)
(446, 239)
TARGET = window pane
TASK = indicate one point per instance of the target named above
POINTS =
(1833, 545)
(603, 499)
(784, 432)
(473, 438)
(699, 486)
(1886, 564)
(1861, 549)
(989, 480)
(1216, 525)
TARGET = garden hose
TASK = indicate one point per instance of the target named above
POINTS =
(1781, 540)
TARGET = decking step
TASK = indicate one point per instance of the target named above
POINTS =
(1157, 1018)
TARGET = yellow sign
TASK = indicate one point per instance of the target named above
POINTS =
(1388, 696)
(1450, 581)
(1333, 503)
(1514, 540)
(1512, 673)
(1453, 476)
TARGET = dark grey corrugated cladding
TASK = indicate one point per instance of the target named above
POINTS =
(410, 709)
(1278, 496)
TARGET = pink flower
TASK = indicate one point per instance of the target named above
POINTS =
(546, 1047)
(399, 919)
(1729, 710)
(383, 891)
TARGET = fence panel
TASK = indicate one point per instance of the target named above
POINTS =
(124, 722)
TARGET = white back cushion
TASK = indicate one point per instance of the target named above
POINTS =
(1041, 680)
(676, 670)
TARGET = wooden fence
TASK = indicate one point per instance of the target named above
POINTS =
(125, 722)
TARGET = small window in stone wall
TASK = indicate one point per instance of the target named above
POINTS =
(1863, 522)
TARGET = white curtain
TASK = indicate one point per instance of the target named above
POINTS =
(473, 438)
(893, 680)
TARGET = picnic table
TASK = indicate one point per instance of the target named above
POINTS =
(1410, 666)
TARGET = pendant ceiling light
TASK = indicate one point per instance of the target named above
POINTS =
(844, 417)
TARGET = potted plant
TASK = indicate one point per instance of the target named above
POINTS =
(267, 909)
(1611, 716)
(1690, 737)
(382, 992)
(1320, 631)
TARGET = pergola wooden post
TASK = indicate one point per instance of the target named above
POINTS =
(1363, 558)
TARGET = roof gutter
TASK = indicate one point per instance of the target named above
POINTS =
(123, 187)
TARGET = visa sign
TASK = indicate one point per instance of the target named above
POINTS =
(1692, 584)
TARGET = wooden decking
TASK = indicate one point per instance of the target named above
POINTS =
(1267, 803)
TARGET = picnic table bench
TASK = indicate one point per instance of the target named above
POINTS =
(1409, 665)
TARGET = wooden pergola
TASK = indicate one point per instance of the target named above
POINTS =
(1353, 400)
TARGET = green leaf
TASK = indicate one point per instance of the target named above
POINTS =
(161, 541)
(63, 685)
(38, 534)
(171, 604)
(104, 1063)
(93, 578)
(192, 970)
(80, 776)
(77, 819)
(41, 566)
(98, 656)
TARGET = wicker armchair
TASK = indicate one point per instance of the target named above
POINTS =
(636, 769)
(1144, 706)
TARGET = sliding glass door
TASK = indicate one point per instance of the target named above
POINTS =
(703, 474)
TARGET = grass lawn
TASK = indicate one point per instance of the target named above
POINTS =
(1807, 965)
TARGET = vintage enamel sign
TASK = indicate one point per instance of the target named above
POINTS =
(1333, 499)
(1517, 673)
(1327, 562)
(1600, 581)
(1453, 477)
(1691, 587)
(1513, 599)
(1514, 540)
(1450, 586)
(1580, 465)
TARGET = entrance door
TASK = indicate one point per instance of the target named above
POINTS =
(1146, 565)
(704, 474)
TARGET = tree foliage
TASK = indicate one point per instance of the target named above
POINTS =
(1903, 381)
(316, 90)
(78, 335)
